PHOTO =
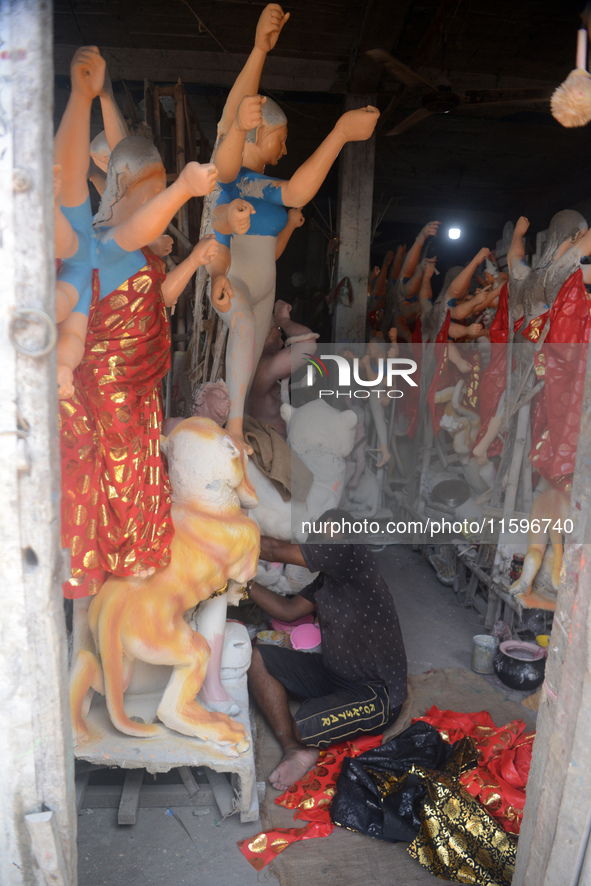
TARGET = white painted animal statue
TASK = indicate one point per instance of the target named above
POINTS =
(134, 619)
(322, 437)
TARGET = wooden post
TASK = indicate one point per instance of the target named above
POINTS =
(354, 228)
(183, 213)
(554, 840)
(37, 769)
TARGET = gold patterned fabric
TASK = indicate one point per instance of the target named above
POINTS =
(446, 375)
(562, 362)
(115, 491)
(458, 839)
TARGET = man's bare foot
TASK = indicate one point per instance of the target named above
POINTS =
(294, 765)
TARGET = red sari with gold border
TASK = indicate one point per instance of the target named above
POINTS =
(115, 490)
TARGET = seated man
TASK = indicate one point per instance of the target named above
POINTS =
(358, 683)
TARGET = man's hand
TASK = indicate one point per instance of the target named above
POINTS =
(521, 226)
(87, 71)
(269, 27)
(238, 218)
(250, 112)
(198, 178)
(281, 312)
(205, 249)
(221, 293)
(474, 330)
(295, 218)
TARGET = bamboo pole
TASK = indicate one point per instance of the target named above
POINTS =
(516, 460)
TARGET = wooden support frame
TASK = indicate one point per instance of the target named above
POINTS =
(180, 139)
(214, 789)
(354, 228)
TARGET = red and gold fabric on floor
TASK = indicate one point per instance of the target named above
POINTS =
(115, 491)
(311, 798)
(504, 754)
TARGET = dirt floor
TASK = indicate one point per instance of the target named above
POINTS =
(195, 846)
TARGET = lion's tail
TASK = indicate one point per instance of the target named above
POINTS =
(109, 625)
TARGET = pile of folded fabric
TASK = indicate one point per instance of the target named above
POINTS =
(452, 785)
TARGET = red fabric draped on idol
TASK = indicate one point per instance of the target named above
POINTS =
(494, 378)
(557, 408)
(115, 492)
(447, 374)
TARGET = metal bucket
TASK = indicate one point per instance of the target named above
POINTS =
(483, 653)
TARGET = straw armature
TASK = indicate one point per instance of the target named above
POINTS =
(571, 102)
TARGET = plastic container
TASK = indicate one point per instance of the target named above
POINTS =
(271, 638)
(306, 638)
(483, 653)
(287, 626)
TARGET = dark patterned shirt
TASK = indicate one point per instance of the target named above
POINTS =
(361, 637)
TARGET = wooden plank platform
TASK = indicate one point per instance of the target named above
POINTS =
(222, 791)
(133, 791)
(130, 796)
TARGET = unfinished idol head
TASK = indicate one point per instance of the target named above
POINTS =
(532, 291)
(268, 139)
(135, 174)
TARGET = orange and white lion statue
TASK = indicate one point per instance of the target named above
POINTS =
(143, 619)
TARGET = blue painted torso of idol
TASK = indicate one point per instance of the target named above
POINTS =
(264, 193)
(96, 249)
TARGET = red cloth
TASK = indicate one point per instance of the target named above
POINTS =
(556, 413)
(447, 375)
(311, 798)
(417, 333)
(504, 752)
(494, 378)
(115, 492)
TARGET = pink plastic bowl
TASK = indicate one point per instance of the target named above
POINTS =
(288, 626)
(306, 638)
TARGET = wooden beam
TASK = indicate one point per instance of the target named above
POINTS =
(222, 791)
(188, 780)
(130, 796)
(152, 796)
(354, 229)
(377, 24)
(37, 764)
(210, 68)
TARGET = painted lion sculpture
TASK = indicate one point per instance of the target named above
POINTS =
(143, 619)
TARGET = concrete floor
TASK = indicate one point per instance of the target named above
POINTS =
(438, 633)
